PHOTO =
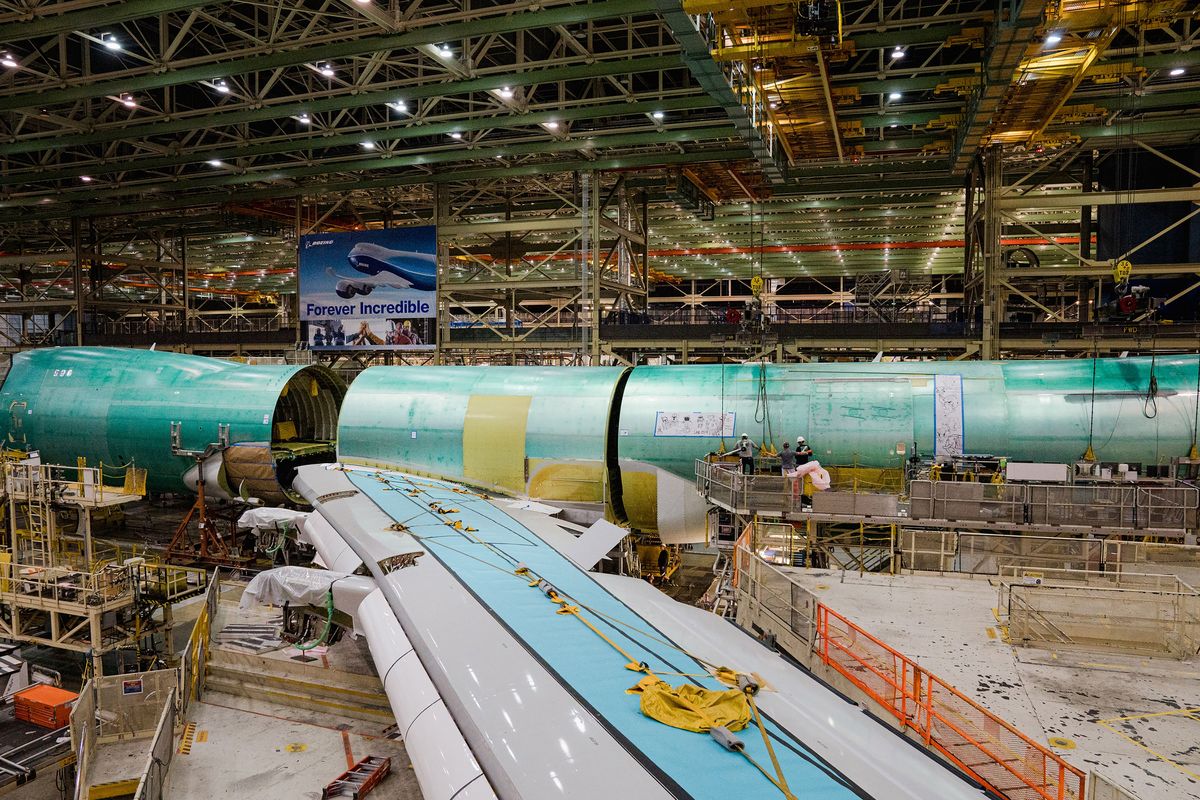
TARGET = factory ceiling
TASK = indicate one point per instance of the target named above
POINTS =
(821, 144)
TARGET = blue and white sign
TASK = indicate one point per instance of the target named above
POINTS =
(371, 289)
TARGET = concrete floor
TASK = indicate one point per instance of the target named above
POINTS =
(255, 749)
(1133, 719)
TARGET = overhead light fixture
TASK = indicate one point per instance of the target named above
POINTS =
(898, 53)
(659, 114)
(110, 42)
(304, 119)
(85, 178)
(216, 162)
(399, 105)
(774, 104)
(1175, 73)
(368, 145)
(444, 51)
(506, 93)
(326, 70)
(8, 61)
(552, 125)
(128, 101)
(456, 135)
(894, 96)
(222, 87)
(1053, 38)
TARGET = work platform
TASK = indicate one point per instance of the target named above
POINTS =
(1158, 510)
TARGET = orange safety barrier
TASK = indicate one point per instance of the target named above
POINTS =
(986, 747)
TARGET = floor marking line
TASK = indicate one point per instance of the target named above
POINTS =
(367, 736)
(1186, 712)
(349, 753)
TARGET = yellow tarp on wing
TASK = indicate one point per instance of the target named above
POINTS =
(692, 708)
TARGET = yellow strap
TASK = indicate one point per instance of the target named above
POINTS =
(781, 783)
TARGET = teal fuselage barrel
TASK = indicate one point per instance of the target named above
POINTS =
(857, 413)
(117, 407)
(867, 414)
(509, 428)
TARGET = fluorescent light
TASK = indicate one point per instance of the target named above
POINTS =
(368, 145)
(1175, 73)
(222, 87)
(658, 114)
(110, 41)
(444, 51)
(326, 70)
(8, 61)
(552, 125)
(456, 135)
(216, 162)
(506, 93)
(898, 53)
(894, 96)
(1053, 38)
(399, 105)
(304, 119)
(128, 101)
(85, 178)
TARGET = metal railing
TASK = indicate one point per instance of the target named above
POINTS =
(65, 586)
(980, 553)
(152, 785)
(981, 744)
(79, 485)
(1092, 506)
(1123, 611)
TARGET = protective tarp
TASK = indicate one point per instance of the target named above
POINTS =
(815, 472)
(250, 472)
(296, 585)
(271, 519)
(690, 707)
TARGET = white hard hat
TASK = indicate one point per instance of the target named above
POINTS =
(799, 440)
(744, 436)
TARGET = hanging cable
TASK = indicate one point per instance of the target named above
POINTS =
(1090, 454)
(1193, 452)
(1150, 403)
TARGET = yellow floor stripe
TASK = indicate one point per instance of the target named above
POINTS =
(202, 736)
(1186, 712)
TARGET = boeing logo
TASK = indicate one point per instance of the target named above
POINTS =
(317, 243)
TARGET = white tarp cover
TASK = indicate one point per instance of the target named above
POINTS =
(290, 584)
(266, 518)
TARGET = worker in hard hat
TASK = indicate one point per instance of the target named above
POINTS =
(787, 459)
(804, 453)
(745, 450)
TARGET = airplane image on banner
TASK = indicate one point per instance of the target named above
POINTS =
(399, 269)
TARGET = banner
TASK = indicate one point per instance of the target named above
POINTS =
(369, 290)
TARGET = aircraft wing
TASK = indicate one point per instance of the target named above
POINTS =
(530, 657)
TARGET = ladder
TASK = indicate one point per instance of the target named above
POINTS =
(360, 779)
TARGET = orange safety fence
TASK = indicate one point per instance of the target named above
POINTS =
(986, 747)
